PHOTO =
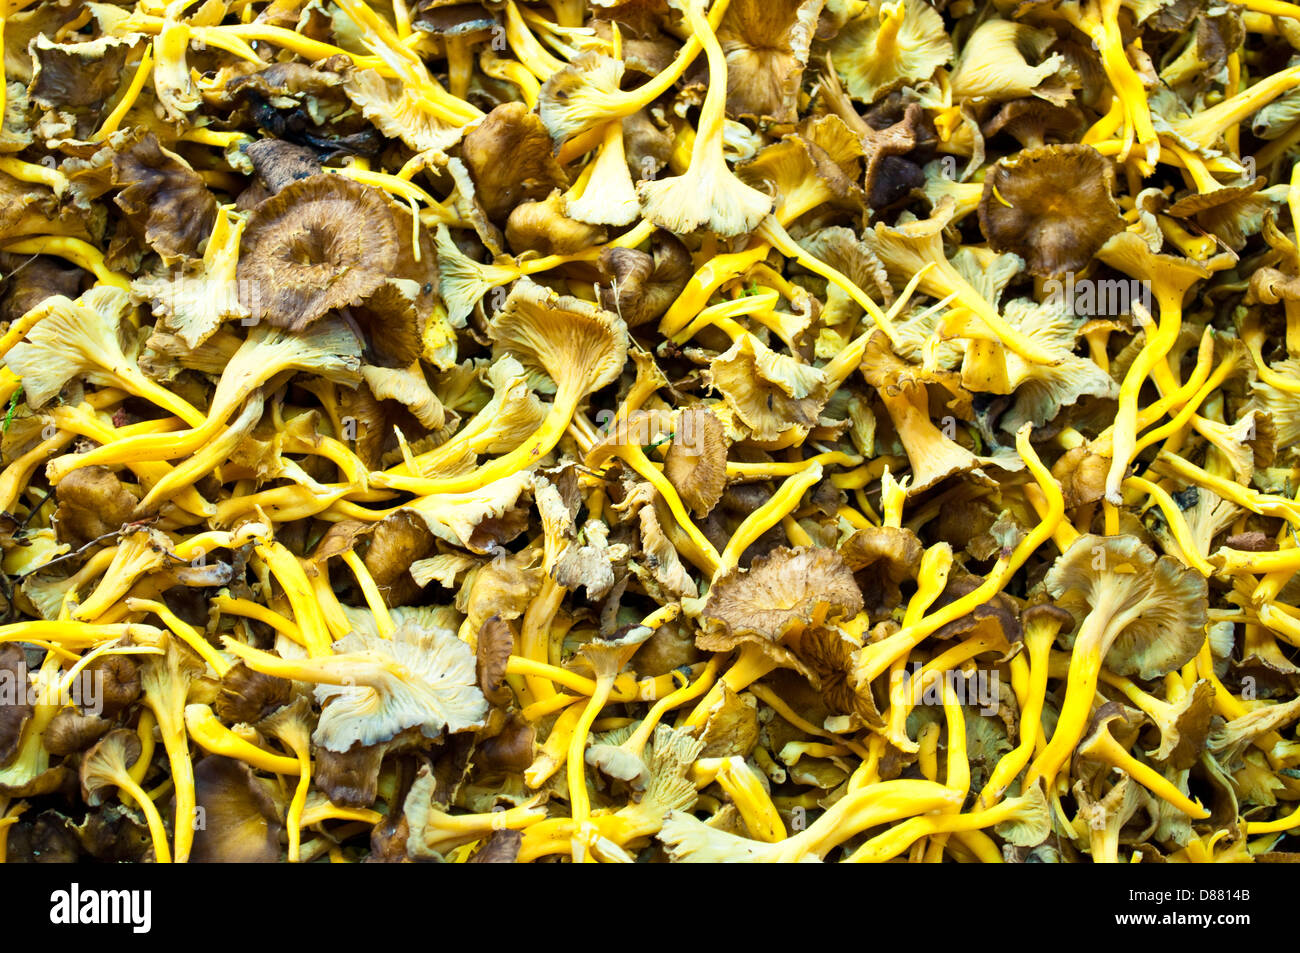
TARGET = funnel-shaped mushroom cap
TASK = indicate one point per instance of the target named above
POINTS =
(1052, 206)
(241, 824)
(1156, 607)
(1032, 824)
(509, 156)
(570, 340)
(770, 393)
(606, 657)
(323, 242)
(421, 676)
(109, 759)
(766, 45)
(696, 464)
(892, 45)
(781, 594)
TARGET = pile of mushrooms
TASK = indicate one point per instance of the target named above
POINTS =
(649, 430)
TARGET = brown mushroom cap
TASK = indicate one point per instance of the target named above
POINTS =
(16, 709)
(495, 644)
(766, 46)
(279, 163)
(509, 156)
(881, 557)
(77, 74)
(248, 696)
(542, 227)
(323, 242)
(1056, 207)
(782, 593)
(643, 286)
(696, 464)
(166, 201)
(92, 503)
(239, 822)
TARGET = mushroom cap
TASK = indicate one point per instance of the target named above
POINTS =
(643, 286)
(279, 163)
(509, 156)
(167, 202)
(1157, 606)
(780, 594)
(240, 822)
(766, 47)
(77, 74)
(769, 392)
(248, 696)
(696, 464)
(110, 757)
(542, 226)
(564, 337)
(496, 642)
(1031, 827)
(1055, 208)
(870, 69)
(427, 680)
(321, 243)
(881, 557)
(15, 711)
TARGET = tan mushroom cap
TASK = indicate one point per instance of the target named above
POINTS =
(509, 156)
(696, 464)
(766, 45)
(321, 243)
(1052, 206)
(112, 755)
(781, 594)
(1159, 603)
(562, 336)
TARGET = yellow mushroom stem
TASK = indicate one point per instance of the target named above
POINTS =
(138, 79)
(779, 705)
(251, 610)
(1106, 749)
(875, 658)
(183, 631)
(172, 729)
(374, 599)
(1205, 126)
(636, 742)
(753, 802)
(891, 843)
(1264, 504)
(1154, 351)
(527, 48)
(1177, 524)
(867, 807)
(82, 254)
(906, 693)
(216, 450)
(642, 465)
(781, 503)
(1100, 23)
(1039, 636)
(599, 106)
(215, 738)
(554, 749)
(518, 75)
(307, 611)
